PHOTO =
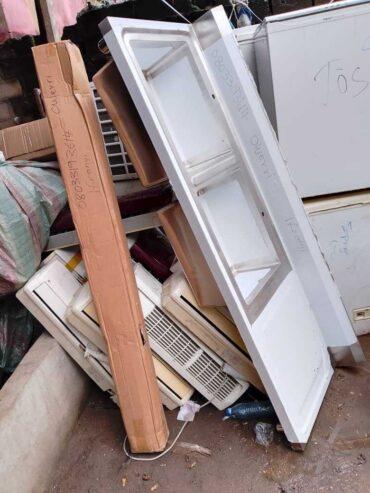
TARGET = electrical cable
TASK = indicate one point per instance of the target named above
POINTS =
(233, 10)
(149, 459)
(170, 447)
(175, 10)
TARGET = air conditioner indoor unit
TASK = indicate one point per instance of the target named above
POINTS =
(173, 343)
(47, 296)
(212, 325)
(81, 314)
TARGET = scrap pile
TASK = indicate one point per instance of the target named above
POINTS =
(198, 269)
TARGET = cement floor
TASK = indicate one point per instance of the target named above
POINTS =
(336, 459)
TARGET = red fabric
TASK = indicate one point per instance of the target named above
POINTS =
(132, 204)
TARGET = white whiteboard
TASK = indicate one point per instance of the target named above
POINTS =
(318, 94)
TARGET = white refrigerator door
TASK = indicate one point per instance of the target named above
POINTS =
(314, 73)
(194, 106)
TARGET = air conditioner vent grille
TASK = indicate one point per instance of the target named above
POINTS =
(191, 360)
(119, 161)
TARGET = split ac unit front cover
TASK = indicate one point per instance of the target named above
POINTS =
(209, 324)
(47, 296)
(173, 343)
(81, 314)
(201, 108)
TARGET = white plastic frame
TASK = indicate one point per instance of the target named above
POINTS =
(283, 312)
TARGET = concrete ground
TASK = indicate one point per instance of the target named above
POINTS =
(336, 459)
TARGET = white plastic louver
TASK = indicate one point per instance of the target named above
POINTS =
(119, 161)
(194, 361)
(191, 359)
(47, 296)
(173, 343)
(212, 325)
(202, 111)
(81, 314)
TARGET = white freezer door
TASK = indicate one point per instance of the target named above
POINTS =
(314, 72)
(166, 72)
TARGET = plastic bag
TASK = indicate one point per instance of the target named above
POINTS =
(31, 196)
(264, 434)
(188, 411)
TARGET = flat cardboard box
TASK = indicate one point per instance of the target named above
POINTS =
(28, 141)
(191, 258)
(130, 128)
(80, 148)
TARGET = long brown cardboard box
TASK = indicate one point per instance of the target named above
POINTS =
(92, 199)
(33, 140)
(130, 128)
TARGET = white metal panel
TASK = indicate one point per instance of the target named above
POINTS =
(342, 227)
(245, 39)
(192, 121)
(314, 78)
(341, 222)
(263, 155)
(297, 364)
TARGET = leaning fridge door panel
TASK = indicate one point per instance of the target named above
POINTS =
(164, 68)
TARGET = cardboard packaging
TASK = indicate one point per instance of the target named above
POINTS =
(80, 149)
(33, 140)
(130, 128)
(188, 252)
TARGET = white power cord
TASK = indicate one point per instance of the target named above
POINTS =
(170, 447)
(149, 459)
(175, 10)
